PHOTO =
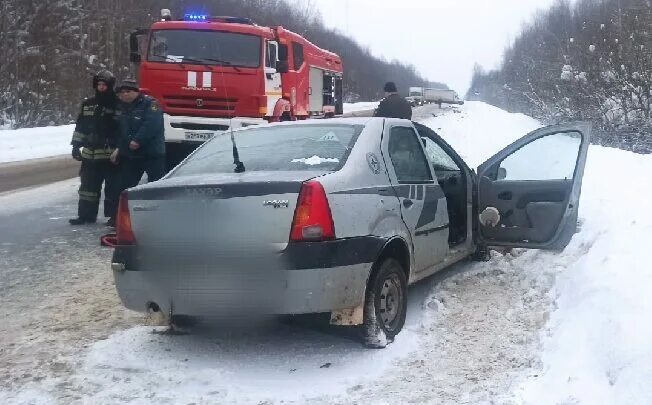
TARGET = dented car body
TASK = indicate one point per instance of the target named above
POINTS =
(335, 216)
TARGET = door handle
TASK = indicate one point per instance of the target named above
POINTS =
(505, 195)
(407, 203)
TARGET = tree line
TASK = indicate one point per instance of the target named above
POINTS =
(49, 50)
(588, 60)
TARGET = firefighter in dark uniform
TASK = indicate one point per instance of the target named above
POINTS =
(142, 141)
(393, 105)
(95, 138)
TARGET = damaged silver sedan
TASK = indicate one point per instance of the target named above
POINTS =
(335, 216)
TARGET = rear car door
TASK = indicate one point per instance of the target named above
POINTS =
(419, 194)
(528, 193)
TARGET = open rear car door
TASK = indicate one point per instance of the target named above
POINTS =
(528, 193)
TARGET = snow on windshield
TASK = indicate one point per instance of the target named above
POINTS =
(315, 160)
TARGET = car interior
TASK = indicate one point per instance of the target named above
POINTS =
(447, 167)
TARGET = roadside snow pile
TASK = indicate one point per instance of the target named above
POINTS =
(34, 143)
(480, 130)
(597, 347)
(363, 106)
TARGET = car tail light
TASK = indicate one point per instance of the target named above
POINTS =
(313, 220)
(125, 234)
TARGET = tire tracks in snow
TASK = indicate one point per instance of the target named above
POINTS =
(480, 333)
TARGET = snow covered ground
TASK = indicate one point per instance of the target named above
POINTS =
(526, 327)
(596, 347)
(362, 106)
(34, 143)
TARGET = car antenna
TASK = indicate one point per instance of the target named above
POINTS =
(239, 166)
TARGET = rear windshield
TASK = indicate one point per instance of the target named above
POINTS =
(275, 148)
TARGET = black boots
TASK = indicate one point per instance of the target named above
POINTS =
(81, 221)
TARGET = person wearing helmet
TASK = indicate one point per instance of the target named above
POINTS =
(94, 140)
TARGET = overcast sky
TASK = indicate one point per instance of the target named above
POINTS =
(442, 38)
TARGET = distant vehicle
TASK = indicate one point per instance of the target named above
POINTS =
(336, 216)
(441, 96)
(415, 97)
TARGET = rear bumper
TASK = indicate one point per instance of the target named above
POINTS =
(199, 129)
(309, 278)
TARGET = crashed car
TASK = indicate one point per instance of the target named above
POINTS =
(335, 216)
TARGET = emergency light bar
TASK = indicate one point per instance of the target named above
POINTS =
(195, 17)
(166, 15)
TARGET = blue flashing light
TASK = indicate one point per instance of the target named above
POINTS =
(195, 17)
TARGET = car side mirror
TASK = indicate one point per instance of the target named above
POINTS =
(502, 173)
(134, 54)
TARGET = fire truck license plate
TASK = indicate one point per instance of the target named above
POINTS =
(198, 136)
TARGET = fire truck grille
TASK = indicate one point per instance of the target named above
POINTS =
(199, 127)
(203, 103)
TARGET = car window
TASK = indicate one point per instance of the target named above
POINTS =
(271, 54)
(297, 50)
(552, 157)
(274, 148)
(439, 159)
(406, 154)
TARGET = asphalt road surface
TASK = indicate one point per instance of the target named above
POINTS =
(36, 172)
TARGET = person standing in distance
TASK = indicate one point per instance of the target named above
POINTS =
(142, 141)
(393, 105)
(95, 138)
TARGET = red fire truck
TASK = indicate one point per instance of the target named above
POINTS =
(215, 73)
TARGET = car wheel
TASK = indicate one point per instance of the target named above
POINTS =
(385, 304)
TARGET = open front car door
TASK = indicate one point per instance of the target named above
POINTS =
(528, 193)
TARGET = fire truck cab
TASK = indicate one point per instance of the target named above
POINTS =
(211, 74)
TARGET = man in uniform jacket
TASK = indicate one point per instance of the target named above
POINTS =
(393, 105)
(142, 141)
(94, 140)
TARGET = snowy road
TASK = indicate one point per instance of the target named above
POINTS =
(474, 332)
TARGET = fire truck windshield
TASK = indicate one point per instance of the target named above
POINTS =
(205, 47)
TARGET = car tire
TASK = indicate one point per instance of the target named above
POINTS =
(385, 305)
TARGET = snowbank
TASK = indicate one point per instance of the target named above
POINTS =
(597, 346)
(34, 143)
(479, 130)
(363, 106)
